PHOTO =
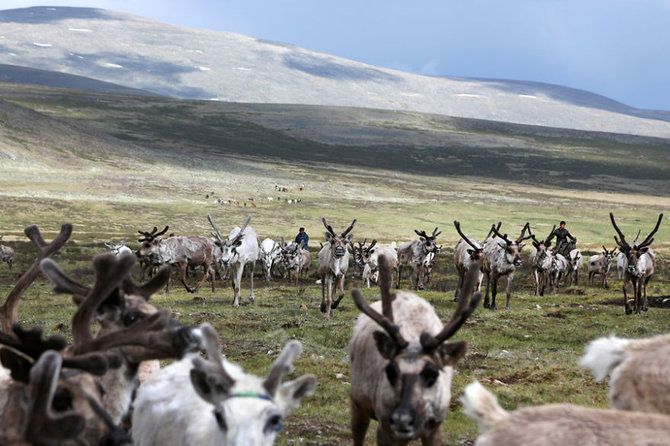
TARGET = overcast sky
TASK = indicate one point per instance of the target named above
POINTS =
(617, 48)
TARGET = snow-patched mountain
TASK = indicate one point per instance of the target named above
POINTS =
(169, 60)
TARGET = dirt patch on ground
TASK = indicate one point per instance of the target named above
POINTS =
(556, 314)
(313, 433)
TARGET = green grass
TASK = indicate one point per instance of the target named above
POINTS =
(527, 355)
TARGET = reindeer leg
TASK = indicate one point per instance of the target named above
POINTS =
(645, 302)
(359, 423)
(536, 277)
(418, 284)
(460, 284)
(397, 284)
(212, 275)
(182, 270)
(340, 286)
(510, 277)
(237, 282)
(323, 294)
(494, 291)
(329, 302)
(488, 283)
(252, 298)
(432, 438)
(628, 309)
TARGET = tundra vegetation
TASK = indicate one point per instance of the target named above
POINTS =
(139, 174)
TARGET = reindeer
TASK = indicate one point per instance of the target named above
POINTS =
(641, 265)
(60, 400)
(637, 368)
(600, 264)
(371, 269)
(428, 264)
(6, 254)
(269, 254)
(575, 261)
(401, 376)
(541, 261)
(238, 249)
(559, 267)
(118, 248)
(333, 265)
(560, 424)
(501, 258)
(296, 259)
(465, 257)
(214, 402)
(413, 253)
(362, 253)
(124, 307)
(180, 251)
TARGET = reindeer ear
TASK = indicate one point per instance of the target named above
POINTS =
(503, 245)
(292, 392)
(385, 345)
(521, 245)
(452, 352)
(208, 387)
(547, 244)
(470, 251)
(328, 236)
(350, 237)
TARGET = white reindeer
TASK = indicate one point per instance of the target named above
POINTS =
(621, 265)
(333, 265)
(412, 254)
(638, 370)
(214, 402)
(559, 267)
(269, 255)
(238, 250)
(575, 261)
(118, 248)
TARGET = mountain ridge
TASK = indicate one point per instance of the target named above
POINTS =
(185, 63)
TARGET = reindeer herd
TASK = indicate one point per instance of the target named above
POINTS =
(106, 387)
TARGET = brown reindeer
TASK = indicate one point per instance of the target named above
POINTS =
(641, 265)
(180, 251)
(502, 257)
(125, 306)
(401, 375)
(560, 424)
(465, 257)
(413, 253)
(333, 265)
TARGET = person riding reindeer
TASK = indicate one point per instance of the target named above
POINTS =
(563, 246)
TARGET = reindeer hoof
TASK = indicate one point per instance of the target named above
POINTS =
(644, 308)
(252, 299)
(494, 308)
(456, 299)
(323, 308)
(629, 310)
(487, 305)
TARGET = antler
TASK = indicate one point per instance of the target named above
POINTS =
(463, 311)
(351, 226)
(9, 310)
(523, 231)
(150, 236)
(493, 228)
(435, 233)
(374, 242)
(283, 365)
(647, 241)
(212, 369)
(464, 237)
(216, 233)
(385, 320)
(623, 243)
(502, 236)
(328, 227)
(43, 425)
(158, 281)
(240, 234)
(421, 233)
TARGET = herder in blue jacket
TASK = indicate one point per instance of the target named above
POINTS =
(302, 237)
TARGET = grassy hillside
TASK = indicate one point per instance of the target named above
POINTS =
(114, 164)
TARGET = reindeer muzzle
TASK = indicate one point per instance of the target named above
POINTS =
(339, 251)
(518, 262)
(403, 422)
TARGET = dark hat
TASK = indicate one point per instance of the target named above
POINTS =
(301, 229)
(562, 222)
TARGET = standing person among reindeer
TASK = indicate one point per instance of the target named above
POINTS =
(302, 237)
(562, 235)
